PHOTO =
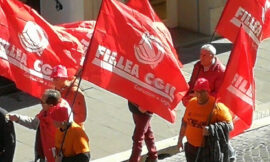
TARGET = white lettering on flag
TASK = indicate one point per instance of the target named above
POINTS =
(252, 26)
(242, 89)
(16, 57)
(108, 60)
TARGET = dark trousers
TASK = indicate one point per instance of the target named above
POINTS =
(191, 152)
(142, 132)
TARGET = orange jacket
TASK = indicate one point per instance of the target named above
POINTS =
(79, 107)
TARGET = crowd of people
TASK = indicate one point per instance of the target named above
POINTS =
(60, 135)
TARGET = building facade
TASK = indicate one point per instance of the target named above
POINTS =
(195, 15)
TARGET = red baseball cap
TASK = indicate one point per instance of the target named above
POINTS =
(60, 114)
(59, 71)
(201, 84)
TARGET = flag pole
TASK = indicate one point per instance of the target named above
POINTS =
(80, 72)
(203, 140)
(213, 36)
(85, 58)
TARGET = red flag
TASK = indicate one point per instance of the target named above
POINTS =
(144, 7)
(238, 88)
(30, 47)
(81, 30)
(266, 26)
(130, 57)
(250, 13)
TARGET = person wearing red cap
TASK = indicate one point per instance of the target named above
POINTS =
(43, 124)
(201, 111)
(208, 67)
(68, 89)
(71, 141)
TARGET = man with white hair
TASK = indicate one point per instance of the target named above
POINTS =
(208, 67)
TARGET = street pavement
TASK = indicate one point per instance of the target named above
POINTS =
(109, 124)
(251, 146)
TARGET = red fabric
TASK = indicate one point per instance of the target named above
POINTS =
(79, 107)
(201, 84)
(238, 89)
(83, 31)
(59, 71)
(266, 26)
(144, 7)
(47, 133)
(249, 13)
(64, 103)
(214, 76)
(30, 47)
(142, 132)
(140, 67)
(60, 114)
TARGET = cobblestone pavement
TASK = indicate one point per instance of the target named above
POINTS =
(252, 146)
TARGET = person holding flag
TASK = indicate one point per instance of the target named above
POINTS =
(68, 90)
(143, 68)
(43, 124)
(202, 112)
(71, 141)
(208, 67)
(142, 132)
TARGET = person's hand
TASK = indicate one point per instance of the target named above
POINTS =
(186, 99)
(58, 158)
(12, 117)
(206, 131)
(180, 144)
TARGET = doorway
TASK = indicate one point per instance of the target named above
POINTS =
(167, 10)
(160, 7)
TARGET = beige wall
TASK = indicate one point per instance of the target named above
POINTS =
(172, 13)
(210, 13)
(183, 13)
(204, 22)
(95, 8)
(216, 8)
(73, 10)
(187, 17)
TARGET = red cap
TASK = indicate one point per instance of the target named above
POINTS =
(201, 84)
(59, 71)
(60, 114)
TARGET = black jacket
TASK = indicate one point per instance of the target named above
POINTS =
(7, 138)
(83, 157)
(217, 143)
